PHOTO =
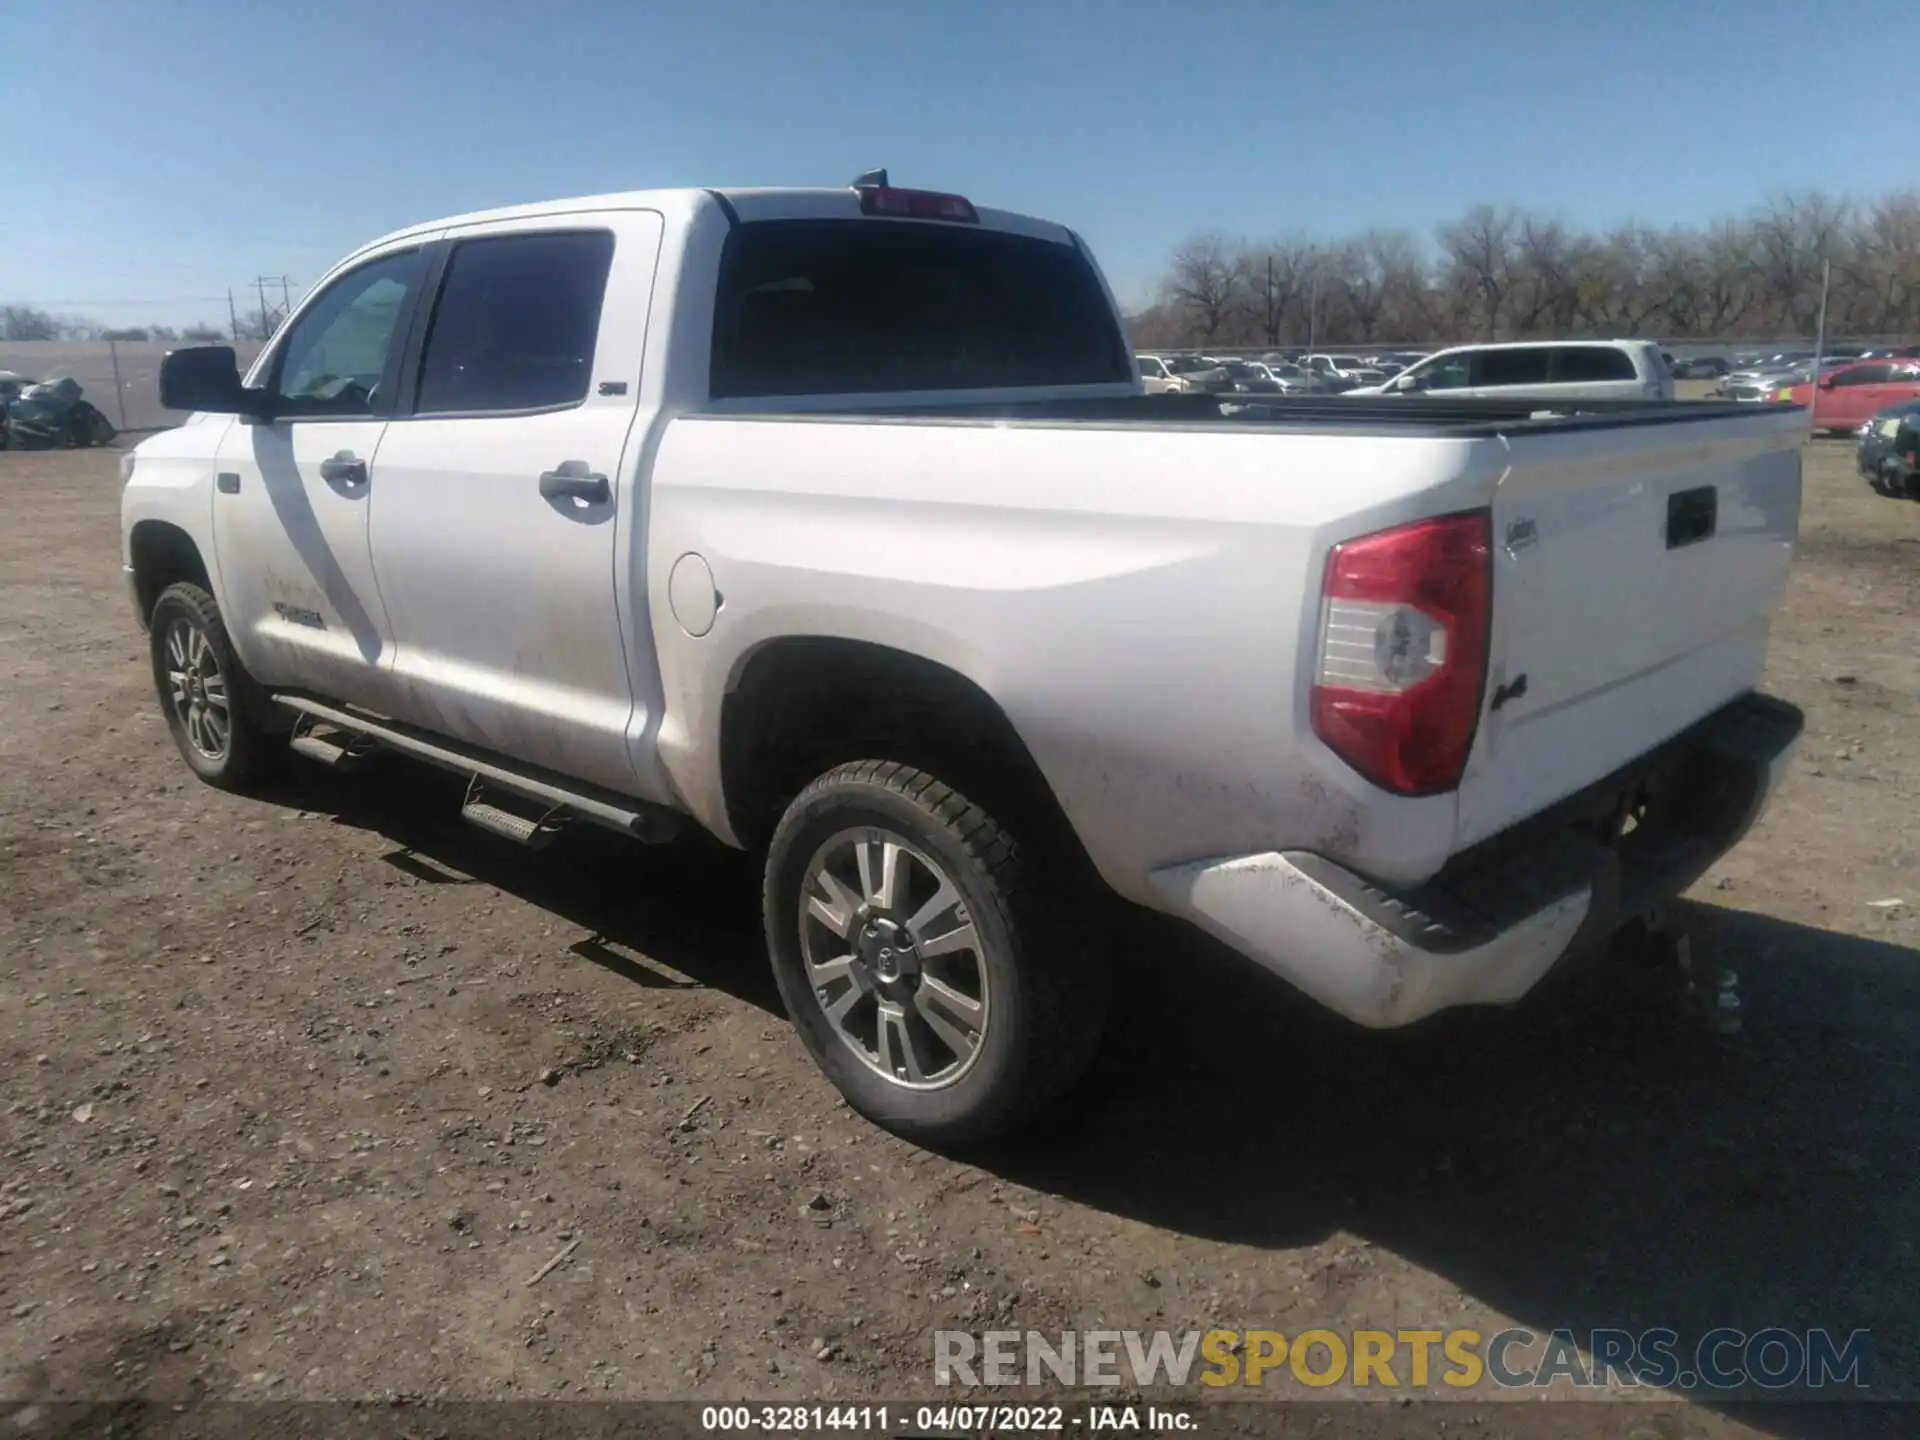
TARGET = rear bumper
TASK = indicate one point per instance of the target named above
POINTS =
(1498, 917)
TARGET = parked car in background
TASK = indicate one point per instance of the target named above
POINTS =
(1246, 378)
(1749, 371)
(1293, 379)
(1774, 382)
(1584, 370)
(1889, 451)
(1702, 367)
(1181, 375)
(1845, 398)
(1156, 378)
(1345, 367)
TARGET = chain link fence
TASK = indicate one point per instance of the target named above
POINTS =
(120, 377)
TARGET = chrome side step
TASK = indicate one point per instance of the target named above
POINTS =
(553, 799)
(535, 832)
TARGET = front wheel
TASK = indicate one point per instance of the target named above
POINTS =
(946, 992)
(211, 703)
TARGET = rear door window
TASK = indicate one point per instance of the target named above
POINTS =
(824, 307)
(1525, 365)
(1589, 363)
(515, 324)
(1865, 375)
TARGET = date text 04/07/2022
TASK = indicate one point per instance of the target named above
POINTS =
(923, 1420)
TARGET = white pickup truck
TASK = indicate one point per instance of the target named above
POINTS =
(835, 522)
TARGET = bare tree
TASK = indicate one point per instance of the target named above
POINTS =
(1480, 250)
(1545, 296)
(1728, 271)
(1879, 263)
(203, 334)
(1794, 235)
(1365, 273)
(23, 322)
(1500, 272)
(1205, 284)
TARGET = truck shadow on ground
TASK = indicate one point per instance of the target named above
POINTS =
(673, 916)
(1600, 1164)
(1605, 1164)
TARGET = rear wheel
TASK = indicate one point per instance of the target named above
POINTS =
(212, 705)
(948, 995)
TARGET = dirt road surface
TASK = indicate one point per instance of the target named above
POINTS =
(298, 1095)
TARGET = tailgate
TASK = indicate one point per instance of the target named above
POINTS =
(1636, 571)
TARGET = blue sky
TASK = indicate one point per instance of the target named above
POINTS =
(164, 149)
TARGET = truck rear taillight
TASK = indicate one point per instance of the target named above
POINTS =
(1402, 663)
(916, 204)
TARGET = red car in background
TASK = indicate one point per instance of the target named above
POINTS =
(1847, 397)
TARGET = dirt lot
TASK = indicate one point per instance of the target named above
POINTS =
(272, 1121)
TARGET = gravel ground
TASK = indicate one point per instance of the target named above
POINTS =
(297, 1094)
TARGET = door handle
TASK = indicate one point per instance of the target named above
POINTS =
(572, 480)
(343, 469)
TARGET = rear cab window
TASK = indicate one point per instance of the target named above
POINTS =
(849, 307)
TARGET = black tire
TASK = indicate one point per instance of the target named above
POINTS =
(1044, 978)
(250, 751)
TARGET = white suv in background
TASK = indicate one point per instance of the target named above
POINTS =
(1548, 370)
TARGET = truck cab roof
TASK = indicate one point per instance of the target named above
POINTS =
(746, 204)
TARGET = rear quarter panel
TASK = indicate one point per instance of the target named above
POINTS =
(1142, 604)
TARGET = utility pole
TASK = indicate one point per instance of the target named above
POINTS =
(260, 284)
(233, 317)
(119, 390)
(1273, 313)
(286, 299)
(1819, 340)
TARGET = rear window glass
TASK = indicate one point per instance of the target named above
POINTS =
(515, 324)
(1576, 363)
(824, 307)
(1510, 367)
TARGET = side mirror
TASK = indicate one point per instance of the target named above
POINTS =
(207, 377)
(1826, 382)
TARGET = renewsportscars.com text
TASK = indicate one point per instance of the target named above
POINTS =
(1772, 1359)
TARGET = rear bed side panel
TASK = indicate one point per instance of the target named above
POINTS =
(1138, 602)
(1606, 640)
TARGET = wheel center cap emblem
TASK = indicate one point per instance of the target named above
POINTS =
(882, 949)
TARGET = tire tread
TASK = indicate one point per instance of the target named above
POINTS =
(1067, 996)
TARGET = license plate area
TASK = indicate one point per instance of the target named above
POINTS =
(1692, 515)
